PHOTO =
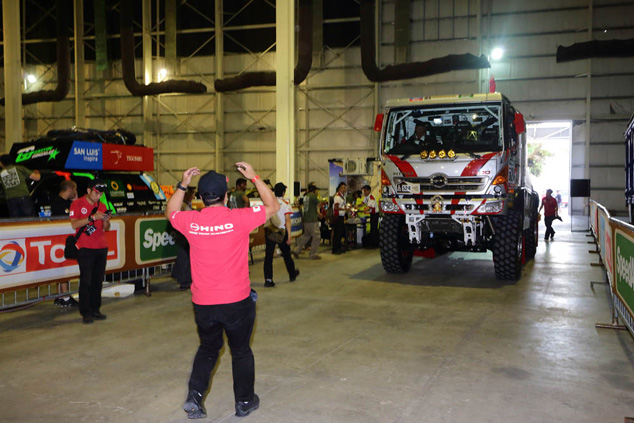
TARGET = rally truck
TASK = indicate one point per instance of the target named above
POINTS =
(454, 177)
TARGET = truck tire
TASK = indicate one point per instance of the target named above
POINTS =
(531, 235)
(396, 251)
(507, 246)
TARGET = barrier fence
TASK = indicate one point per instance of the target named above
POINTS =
(140, 247)
(615, 241)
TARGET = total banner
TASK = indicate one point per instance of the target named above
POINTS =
(624, 263)
(32, 253)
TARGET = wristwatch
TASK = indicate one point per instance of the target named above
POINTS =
(179, 186)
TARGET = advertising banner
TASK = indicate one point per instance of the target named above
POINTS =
(624, 263)
(35, 253)
(128, 157)
(83, 155)
(296, 222)
(593, 217)
(155, 240)
(605, 242)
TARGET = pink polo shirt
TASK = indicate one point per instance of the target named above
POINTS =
(218, 247)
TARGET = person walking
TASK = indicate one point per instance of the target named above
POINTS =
(311, 224)
(339, 213)
(182, 269)
(60, 206)
(90, 212)
(221, 290)
(284, 241)
(371, 208)
(16, 190)
(549, 204)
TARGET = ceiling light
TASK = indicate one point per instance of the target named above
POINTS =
(497, 53)
(31, 79)
(162, 74)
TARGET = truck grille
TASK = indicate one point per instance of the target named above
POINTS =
(448, 183)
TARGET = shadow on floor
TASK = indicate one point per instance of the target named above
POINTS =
(458, 269)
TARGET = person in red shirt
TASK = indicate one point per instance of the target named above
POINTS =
(221, 290)
(549, 204)
(90, 212)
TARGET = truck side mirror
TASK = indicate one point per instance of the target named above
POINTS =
(378, 122)
(520, 124)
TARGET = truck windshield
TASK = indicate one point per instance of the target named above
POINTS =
(461, 128)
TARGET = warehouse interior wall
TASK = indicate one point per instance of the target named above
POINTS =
(336, 104)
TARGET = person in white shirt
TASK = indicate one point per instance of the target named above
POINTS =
(284, 242)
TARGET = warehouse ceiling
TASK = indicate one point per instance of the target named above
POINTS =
(248, 25)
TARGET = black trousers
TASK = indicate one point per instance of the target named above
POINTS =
(548, 220)
(338, 233)
(286, 253)
(21, 207)
(236, 320)
(92, 267)
(374, 230)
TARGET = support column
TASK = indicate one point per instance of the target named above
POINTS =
(586, 170)
(285, 94)
(220, 99)
(12, 74)
(377, 86)
(80, 106)
(147, 73)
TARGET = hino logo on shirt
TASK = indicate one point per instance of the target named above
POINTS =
(196, 229)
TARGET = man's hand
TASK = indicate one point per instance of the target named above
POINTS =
(188, 174)
(246, 169)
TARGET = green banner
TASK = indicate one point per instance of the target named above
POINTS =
(157, 240)
(624, 258)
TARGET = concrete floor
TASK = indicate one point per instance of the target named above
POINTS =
(345, 343)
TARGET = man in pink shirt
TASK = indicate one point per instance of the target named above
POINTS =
(221, 290)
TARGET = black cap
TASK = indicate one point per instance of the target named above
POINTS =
(212, 186)
(98, 185)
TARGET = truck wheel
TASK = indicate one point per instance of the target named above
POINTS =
(396, 251)
(531, 235)
(507, 246)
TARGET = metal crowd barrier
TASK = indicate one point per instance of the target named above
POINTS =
(615, 245)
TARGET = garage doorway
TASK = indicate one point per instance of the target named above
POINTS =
(549, 159)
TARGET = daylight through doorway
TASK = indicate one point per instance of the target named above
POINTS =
(549, 159)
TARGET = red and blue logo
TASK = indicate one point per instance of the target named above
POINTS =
(11, 256)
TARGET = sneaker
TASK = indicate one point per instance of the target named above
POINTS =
(193, 405)
(244, 408)
(294, 277)
(315, 257)
(59, 302)
(269, 284)
(72, 302)
(99, 316)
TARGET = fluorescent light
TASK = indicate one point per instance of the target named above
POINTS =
(497, 53)
(31, 79)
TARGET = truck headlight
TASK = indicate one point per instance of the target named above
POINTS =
(389, 206)
(491, 207)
